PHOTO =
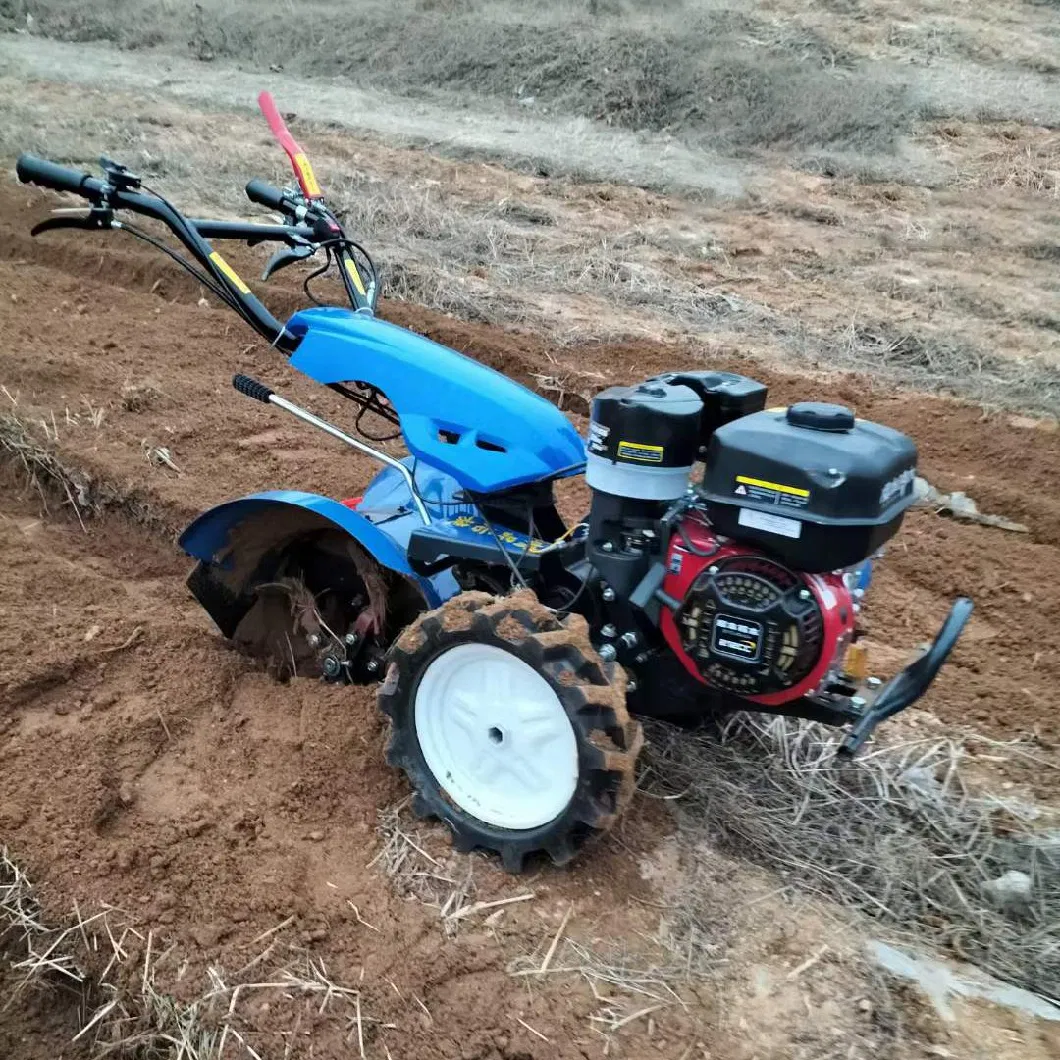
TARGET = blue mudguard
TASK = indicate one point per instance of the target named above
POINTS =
(231, 540)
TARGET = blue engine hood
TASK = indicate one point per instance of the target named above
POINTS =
(505, 435)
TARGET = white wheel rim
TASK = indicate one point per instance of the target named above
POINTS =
(496, 737)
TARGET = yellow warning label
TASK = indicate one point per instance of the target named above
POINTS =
(309, 180)
(355, 276)
(229, 272)
(793, 491)
(647, 454)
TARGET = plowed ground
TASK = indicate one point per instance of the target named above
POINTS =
(147, 765)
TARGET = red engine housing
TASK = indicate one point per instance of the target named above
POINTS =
(831, 594)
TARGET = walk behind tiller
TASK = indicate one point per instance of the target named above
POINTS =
(721, 565)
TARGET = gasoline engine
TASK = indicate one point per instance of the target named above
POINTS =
(754, 568)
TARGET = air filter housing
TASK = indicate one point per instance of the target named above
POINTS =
(643, 441)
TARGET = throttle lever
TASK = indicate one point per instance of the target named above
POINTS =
(287, 256)
(94, 220)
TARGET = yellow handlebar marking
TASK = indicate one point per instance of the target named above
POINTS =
(309, 180)
(229, 272)
(354, 275)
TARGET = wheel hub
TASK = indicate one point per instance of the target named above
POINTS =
(496, 737)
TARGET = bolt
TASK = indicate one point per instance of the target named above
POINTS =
(608, 653)
(631, 685)
(873, 682)
(607, 546)
(857, 701)
(608, 593)
(314, 640)
(833, 471)
(805, 594)
(372, 665)
(712, 569)
(332, 666)
(608, 631)
(629, 639)
(350, 639)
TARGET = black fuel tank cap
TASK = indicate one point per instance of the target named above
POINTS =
(821, 416)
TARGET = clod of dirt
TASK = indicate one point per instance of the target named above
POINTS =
(1011, 888)
(961, 506)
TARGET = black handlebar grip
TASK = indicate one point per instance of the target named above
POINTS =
(33, 170)
(252, 388)
(268, 196)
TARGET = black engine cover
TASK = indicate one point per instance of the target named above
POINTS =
(751, 626)
(814, 486)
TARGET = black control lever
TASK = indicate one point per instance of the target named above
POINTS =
(94, 220)
(907, 686)
(118, 176)
(251, 388)
(287, 256)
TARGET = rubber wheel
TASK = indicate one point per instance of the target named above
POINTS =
(510, 727)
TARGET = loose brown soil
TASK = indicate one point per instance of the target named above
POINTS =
(148, 765)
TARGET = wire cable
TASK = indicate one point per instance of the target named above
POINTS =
(207, 281)
(312, 276)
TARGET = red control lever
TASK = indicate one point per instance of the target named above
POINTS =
(303, 171)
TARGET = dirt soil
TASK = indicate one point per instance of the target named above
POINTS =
(149, 766)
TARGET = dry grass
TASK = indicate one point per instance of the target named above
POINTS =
(31, 443)
(930, 362)
(896, 835)
(713, 75)
(445, 882)
(44, 469)
(460, 250)
(122, 973)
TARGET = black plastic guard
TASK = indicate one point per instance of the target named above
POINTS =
(907, 686)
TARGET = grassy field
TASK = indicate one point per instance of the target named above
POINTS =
(708, 72)
(918, 251)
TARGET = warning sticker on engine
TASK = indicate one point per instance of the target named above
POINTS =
(775, 493)
(598, 437)
(646, 454)
(738, 638)
(772, 524)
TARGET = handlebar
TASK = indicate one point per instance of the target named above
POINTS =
(266, 195)
(292, 235)
(33, 170)
(314, 226)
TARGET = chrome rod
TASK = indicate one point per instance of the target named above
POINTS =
(327, 428)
